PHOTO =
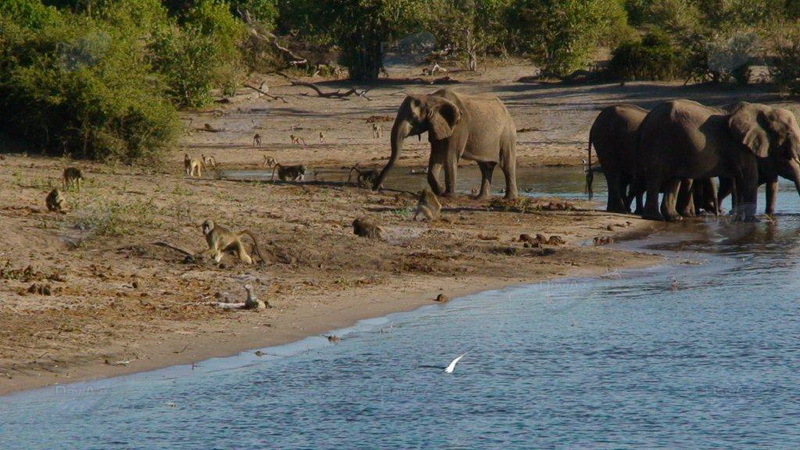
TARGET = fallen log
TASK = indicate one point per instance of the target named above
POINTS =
(337, 94)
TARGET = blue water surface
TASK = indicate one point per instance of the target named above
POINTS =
(703, 351)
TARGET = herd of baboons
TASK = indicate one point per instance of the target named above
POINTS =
(676, 148)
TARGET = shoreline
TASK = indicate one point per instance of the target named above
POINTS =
(341, 314)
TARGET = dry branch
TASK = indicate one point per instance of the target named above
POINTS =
(337, 94)
(274, 97)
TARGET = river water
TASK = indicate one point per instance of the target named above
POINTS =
(703, 351)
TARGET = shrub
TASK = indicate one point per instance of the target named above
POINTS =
(785, 66)
(652, 58)
(561, 34)
(201, 55)
(82, 87)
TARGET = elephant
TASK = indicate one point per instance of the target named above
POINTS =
(471, 127)
(613, 135)
(682, 139)
(767, 174)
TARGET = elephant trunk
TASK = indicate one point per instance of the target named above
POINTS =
(400, 131)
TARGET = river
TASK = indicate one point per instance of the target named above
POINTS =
(700, 352)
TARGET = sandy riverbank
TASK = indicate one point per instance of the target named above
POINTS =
(120, 304)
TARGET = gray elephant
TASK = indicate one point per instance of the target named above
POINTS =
(459, 126)
(613, 135)
(682, 139)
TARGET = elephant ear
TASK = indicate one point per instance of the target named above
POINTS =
(744, 124)
(443, 115)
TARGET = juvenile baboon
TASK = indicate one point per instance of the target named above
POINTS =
(257, 140)
(366, 227)
(428, 206)
(269, 161)
(209, 161)
(192, 166)
(289, 173)
(377, 131)
(72, 177)
(221, 240)
(365, 177)
(321, 137)
(297, 139)
(56, 201)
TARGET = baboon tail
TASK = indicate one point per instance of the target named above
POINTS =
(589, 171)
(256, 248)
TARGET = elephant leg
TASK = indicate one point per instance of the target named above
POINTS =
(615, 202)
(435, 165)
(772, 196)
(746, 197)
(487, 169)
(671, 200)
(651, 206)
(636, 192)
(450, 169)
(508, 164)
(725, 189)
(709, 200)
(685, 200)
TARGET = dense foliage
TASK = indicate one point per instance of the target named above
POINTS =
(103, 78)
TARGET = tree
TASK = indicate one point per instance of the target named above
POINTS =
(361, 28)
(560, 34)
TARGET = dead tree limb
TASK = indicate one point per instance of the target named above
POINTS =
(337, 94)
(274, 97)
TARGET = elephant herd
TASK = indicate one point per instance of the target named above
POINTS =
(680, 145)
(676, 148)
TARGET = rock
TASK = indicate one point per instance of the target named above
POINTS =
(441, 298)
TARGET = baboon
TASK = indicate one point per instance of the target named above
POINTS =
(286, 173)
(257, 140)
(428, 206)
(192, 166)
(209, 161)
(56, 201)
(297, 139)
(221, 240)
(72, 177)
(377, 131)
(321, 137)
(365, 177)
(269, 161)
(366, 227)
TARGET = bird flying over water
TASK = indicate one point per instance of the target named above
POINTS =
(452, 366)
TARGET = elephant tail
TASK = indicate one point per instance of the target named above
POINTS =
(589, 172)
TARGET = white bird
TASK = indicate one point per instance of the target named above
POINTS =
(452, 366)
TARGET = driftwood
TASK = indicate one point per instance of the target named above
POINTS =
(337, 94)
(265, 93)
(442, 80)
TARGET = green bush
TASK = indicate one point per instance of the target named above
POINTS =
(562, 34)
(202, 54)
(785, 66)
(81, 87)
(652, 58)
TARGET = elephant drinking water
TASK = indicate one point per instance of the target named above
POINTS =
(682, 139)
(471, 127)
